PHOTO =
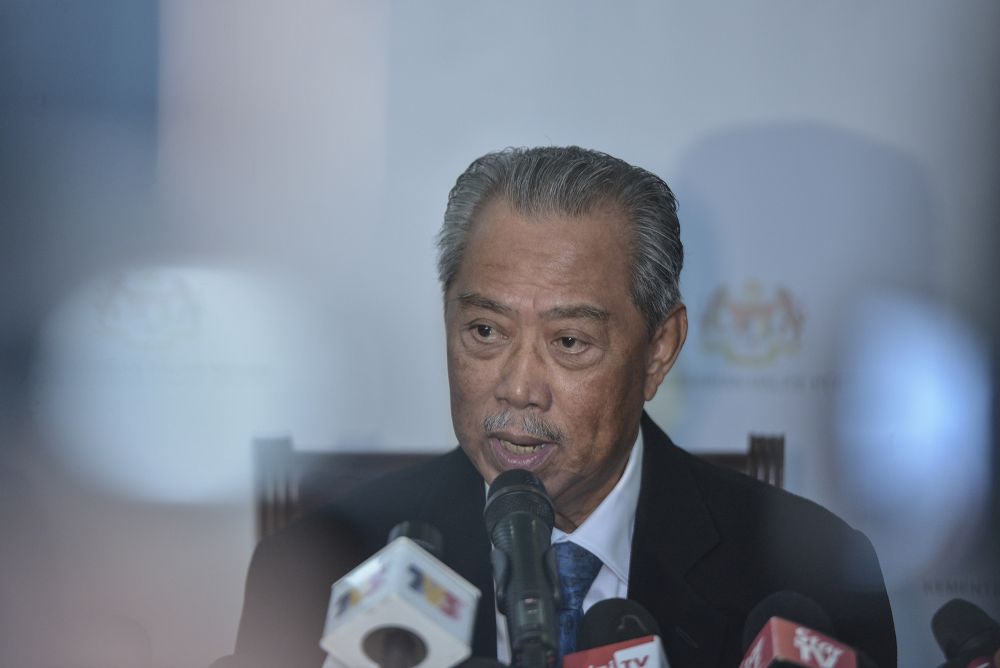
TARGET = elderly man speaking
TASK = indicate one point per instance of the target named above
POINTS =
(560, 270)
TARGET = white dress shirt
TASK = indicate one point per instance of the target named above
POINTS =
(606, 533)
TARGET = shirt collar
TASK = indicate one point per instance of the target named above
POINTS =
(607, 532)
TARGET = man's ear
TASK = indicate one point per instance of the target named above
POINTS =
(667, 341)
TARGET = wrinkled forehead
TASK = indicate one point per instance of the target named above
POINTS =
(545, 261)
(500, 226)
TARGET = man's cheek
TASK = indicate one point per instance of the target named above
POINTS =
(462, 368)
(586, 397)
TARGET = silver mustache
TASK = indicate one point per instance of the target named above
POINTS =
(530, 424)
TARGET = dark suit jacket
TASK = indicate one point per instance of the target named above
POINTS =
(709, 544)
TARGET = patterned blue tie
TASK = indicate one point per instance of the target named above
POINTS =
(577, 570)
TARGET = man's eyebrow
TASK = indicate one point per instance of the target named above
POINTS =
(576, 311)
(473, 300)
(570, 312)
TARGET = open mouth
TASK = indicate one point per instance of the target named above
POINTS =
(518, 449)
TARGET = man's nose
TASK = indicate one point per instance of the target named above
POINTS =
(524, 378)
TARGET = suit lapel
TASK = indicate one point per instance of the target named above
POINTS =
(673, 530)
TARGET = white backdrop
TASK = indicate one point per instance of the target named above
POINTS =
(835, 165)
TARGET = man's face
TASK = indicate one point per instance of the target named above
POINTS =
(549, 360)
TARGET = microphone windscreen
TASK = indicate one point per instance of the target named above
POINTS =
(400, 607)
(789, 605)
(517, 491)
(614, 620)
(961, 627)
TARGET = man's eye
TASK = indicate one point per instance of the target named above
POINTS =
(571, 344)
(484, 331)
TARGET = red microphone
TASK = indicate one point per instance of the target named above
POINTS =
(617, 633)
(796, 644)
(977, 662)
(644, 652)
(785, 643)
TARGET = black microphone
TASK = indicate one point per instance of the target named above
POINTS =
(617, 632)
(788, 605)
(614, 620)
(966, 634)
(519, 519)
(789, 630)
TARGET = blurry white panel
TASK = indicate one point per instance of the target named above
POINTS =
(913, 435)
(153, 381)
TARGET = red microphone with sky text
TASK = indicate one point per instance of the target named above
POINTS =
(794, 632)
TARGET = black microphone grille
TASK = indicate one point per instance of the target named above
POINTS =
(791, 606)
(961, 627)
(421, 533)
(517, 491)
(614, 620)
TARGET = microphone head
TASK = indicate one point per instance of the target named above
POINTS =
(423, 534)
(394, 646)
(791, 606)
(614, 620)
(962, 628)
(517, 491)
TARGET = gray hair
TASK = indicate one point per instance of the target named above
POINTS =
(573, 181)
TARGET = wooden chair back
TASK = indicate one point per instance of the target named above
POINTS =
(289, 482)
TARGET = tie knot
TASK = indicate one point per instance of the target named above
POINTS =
(577, 569)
